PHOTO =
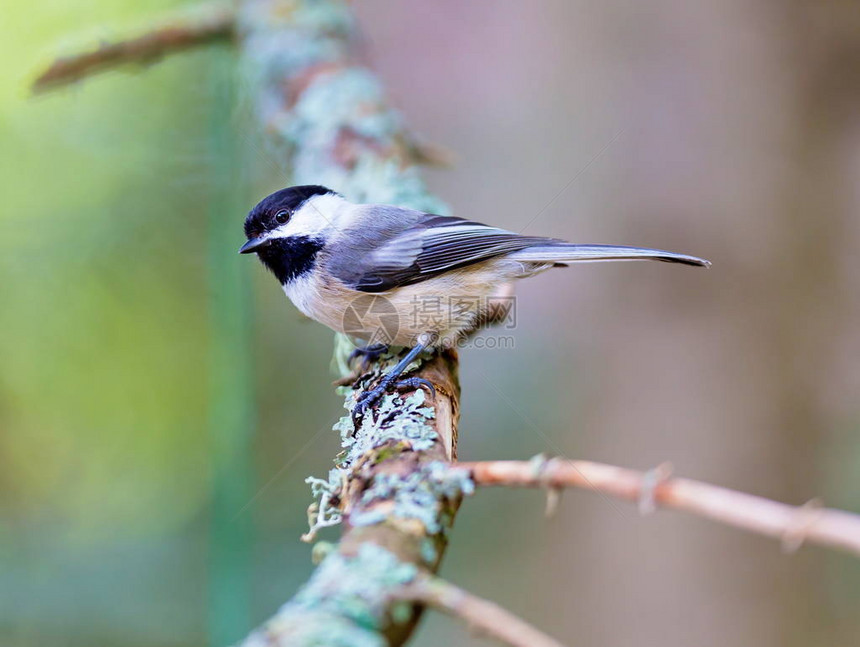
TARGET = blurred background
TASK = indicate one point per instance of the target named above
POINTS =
(161, 402)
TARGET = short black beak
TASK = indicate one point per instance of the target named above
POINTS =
(253, 245)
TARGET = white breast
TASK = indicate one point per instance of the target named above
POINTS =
(301, 292)
(322, 301)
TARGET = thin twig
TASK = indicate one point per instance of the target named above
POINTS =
(481, 615)
(793, 525)
(182, 34)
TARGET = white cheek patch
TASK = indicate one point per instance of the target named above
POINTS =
(316, 216)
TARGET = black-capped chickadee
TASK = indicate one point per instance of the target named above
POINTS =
(365, 269)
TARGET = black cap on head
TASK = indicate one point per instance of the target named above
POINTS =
(262, 216)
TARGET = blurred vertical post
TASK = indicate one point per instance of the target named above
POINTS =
(231, 411)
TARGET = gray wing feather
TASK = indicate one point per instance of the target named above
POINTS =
(400, 247)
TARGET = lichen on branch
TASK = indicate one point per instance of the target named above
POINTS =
(346, 603)
(326, 116)
(323, 110)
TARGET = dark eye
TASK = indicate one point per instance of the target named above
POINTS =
(282, 216)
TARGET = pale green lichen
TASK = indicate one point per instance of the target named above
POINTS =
(429, 552)
(420, 494)
(281, 39)
(343, 348)
(397, 418)
(344, 97)
(328, 104)
(323, 513)
(343, 604)
(387, 182)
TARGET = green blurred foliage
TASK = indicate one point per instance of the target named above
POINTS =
(103, 454)
(86, 213)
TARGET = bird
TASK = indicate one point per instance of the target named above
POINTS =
(370, 271)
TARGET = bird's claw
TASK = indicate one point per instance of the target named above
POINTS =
(368, 354)
(371, 396)
(365, 401)
(416, 383)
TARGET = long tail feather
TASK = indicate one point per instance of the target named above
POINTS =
(571, 253)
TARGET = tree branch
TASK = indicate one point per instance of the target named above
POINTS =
(793, 525)
(482, 615)
(391, 488)
(180, 34)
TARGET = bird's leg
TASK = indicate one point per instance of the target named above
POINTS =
(369, 397)
(368, 354)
